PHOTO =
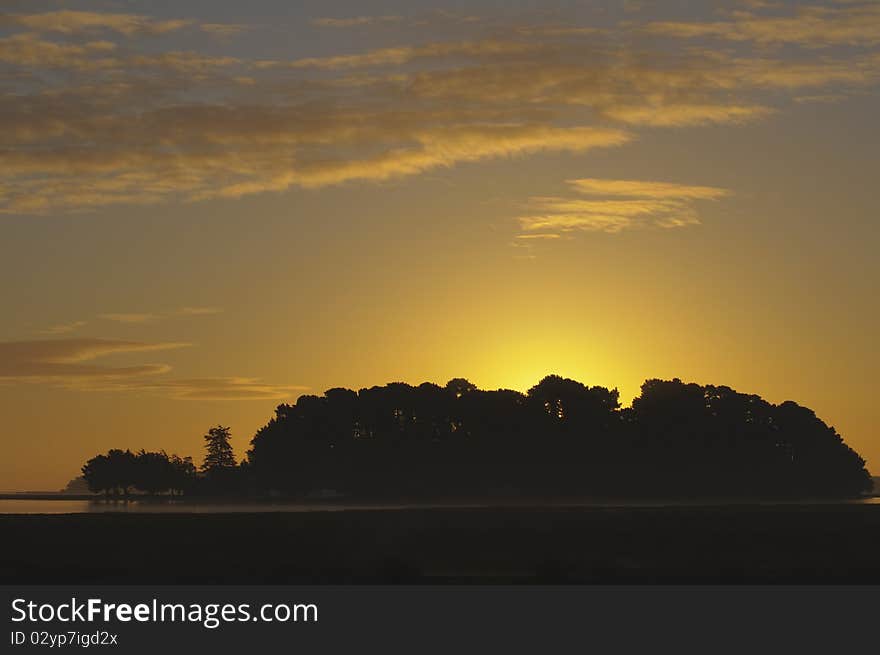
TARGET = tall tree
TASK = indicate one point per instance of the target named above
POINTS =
(219, 455)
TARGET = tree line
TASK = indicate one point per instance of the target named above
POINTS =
(561, 438)
(119, 472)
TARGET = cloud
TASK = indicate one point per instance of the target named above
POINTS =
(182, 62)
(223, 30)
(451, 145)
(29, 50)
(68, 360)
(97, 57)
(404, 54)
(87, 124)
(133, 318)
(357, 21)
(199, 311)
(640, 188)
(64, 328)
(427, 19)
(616, 205)
(214, 388)
(149, 317)
(67, 363)
(130, 317)
(75, 22)
(826, 98)
(701, 86)
(680, 115)
(811, 26)
(539, 236)
(569, 221)
(70, 179)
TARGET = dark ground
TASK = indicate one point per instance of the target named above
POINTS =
(733, 544)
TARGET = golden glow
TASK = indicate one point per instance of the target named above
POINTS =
(214, 217)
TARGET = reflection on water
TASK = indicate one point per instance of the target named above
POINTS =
(64, 506)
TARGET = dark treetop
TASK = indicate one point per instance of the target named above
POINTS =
(560, 439)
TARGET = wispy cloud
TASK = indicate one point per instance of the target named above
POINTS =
(824, 98)
(130, 317)
(68, 360)
(684, 114)
(199, 311)
(30, 50)
(119, 125)
(150, 317)
(68, 363)
(539, 236)
(214, 388)
(76, 22)
(429, 18)
(430, 149)
(404, 54)
(357, 21)
(223, 30)
(615, 205)
(812, 26)
(64, 328)
(642, 189)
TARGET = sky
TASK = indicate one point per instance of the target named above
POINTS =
(208, 208)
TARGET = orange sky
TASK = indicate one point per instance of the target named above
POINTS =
(207, 212)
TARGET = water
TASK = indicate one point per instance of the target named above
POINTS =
(65, 506)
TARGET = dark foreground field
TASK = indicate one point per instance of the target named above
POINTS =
(735, 544)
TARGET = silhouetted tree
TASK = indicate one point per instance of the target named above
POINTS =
(460, 386)
(76, 486)
(221, 476)
(219, 455)
(114, 472)
(149, 472)
(183, 474)
(96, 473)
(153, 472)
(562, 438)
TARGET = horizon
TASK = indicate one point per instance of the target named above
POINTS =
(210, 209)
(241, 457)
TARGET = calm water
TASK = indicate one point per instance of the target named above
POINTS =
(17, 506)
